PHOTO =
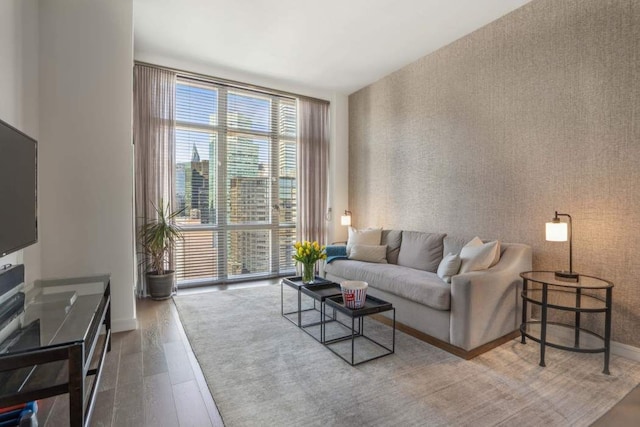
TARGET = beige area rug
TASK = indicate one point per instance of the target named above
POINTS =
(264, 371)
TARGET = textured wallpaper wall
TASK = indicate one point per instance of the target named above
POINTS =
(536, 112)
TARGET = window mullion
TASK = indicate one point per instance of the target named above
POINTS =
(196, 127)
(223, 213)
(275, 185)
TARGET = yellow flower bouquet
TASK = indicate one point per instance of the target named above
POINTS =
(308, 253)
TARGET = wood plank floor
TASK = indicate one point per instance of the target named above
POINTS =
(152, 378)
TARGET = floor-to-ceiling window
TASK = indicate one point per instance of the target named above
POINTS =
(235, 177)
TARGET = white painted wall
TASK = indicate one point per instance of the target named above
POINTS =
(339, 151)
(19, 92)
(86, 167)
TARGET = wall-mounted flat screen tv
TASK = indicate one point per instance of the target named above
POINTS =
(18, 190)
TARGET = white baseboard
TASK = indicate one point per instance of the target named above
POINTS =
(625, 351)
(121, 325)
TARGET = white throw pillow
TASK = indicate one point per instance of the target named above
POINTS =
(369, 236)
(476, 255)
(449, 266)
(369, 253)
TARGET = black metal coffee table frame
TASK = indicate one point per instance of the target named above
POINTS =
(319, 293)
(297, 284)
(372, 306)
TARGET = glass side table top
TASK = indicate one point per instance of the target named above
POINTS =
(548, 277)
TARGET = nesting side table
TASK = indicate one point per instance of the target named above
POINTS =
(372, 306)
(296, 284)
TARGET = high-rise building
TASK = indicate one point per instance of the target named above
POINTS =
(181, 186)
(192, 180)
(199, 188)
(243, 156)
(249, 250)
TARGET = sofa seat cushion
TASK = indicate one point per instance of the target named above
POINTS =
(416, 285)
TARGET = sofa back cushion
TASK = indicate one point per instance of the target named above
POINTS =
(422, 251)
(392, 238)
(368, 236)
(454, 244)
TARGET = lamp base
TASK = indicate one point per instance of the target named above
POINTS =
(571, 276)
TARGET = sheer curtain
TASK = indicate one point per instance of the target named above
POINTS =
(313, 164)
(154, 93)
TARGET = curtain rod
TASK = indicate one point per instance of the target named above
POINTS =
(232, 83)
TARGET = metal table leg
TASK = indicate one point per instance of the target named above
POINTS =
(543, 324)
(607, 331)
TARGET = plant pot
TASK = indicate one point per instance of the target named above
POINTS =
(160, 286)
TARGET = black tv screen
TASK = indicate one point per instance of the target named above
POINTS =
(18, 190)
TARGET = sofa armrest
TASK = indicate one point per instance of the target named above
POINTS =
(485, 305)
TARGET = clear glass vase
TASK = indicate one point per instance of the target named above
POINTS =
(308, 272)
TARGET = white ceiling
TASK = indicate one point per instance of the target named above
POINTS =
(332, 45)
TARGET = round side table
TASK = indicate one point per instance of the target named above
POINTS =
(587, 295)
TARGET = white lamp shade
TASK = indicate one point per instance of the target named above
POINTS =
(557, 232)
(345, 220)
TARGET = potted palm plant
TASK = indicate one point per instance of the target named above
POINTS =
(157, 237)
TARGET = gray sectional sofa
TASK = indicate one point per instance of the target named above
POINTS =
(475, 312)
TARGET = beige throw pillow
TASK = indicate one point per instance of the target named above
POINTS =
(449, 266)
(477, 256)
(369, 236)
(369, 253)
